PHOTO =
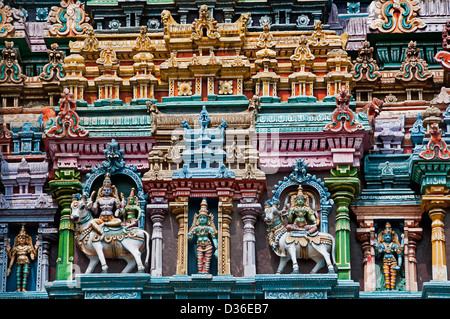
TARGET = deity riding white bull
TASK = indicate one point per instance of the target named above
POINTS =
(116, 242)
(320, 248)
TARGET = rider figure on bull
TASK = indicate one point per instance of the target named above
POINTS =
(300, 216)
(109, 205)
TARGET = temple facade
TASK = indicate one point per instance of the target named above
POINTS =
(249, 149)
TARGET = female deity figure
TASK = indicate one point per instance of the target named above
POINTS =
(23, 246)
(300, 216)
(109, 205)
(203, 227)
(391, 249)
(131, 213)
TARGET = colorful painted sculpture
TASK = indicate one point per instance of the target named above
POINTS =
(300, 216)
(108, 205)
(292, 245)
(203, 227)
(21, 253)
(391, 250)
(122, 243)
(131, 213)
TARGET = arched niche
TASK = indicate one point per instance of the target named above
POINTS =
(313, 186)
(123, 176)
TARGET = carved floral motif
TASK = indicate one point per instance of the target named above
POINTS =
(397, 16)
(6, 18)
(69, 19)
(54, 69)
(436, 147)
(343, 118)
(205, 25)
(365, 66)
(414, 67)
(67, 122)
(10, 70)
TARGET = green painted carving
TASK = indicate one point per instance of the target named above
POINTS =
(343, 185)
(66, 183)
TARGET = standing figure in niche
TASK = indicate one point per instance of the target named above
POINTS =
(391, 249)
(109, 205)
(131, 213)
(203, 227)
(301, 216)
(23, 246)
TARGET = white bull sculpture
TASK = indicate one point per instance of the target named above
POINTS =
(119, 242)
(320, 248)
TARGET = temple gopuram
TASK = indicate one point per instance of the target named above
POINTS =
(249, 149)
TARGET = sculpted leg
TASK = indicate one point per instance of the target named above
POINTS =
(133, 247)
(93, 261)
(130, 264)
(282, 264)
(99, 250)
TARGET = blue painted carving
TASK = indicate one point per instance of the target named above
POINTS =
(204, 154)
(300, 176)
(114, 165)
(417, 131)
(26, 138)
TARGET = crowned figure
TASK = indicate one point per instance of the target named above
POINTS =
(300, 216)
(108, 205)
(203, 227)
(21, 253)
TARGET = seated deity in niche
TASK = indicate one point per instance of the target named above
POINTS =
(389, 251)
(300, 215)
(203, 227)
(108, 205)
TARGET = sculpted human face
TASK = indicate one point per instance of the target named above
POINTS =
(107, 191)
(202, 219)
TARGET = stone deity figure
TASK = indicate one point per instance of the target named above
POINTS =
(108, 205)
(203, 227)
(300, 216)
(22, 249)
(131, 213)
(389, 247)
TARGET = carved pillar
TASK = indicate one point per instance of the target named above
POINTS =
(413, 233)
(343, 186)
(225, 211)
(249, 209)
(65, 184)
(180, 208)
(366, 235)
(157, 211)
(434, 202)
(3, 256)
(46, 234)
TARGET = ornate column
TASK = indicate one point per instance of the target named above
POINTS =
(343, 186)
(3, 256)
(66, 183)
(225, 211)
(157, 211)
(46, 234)
(430, 170)
(435, 202)
(179, 207)
(249, 209)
